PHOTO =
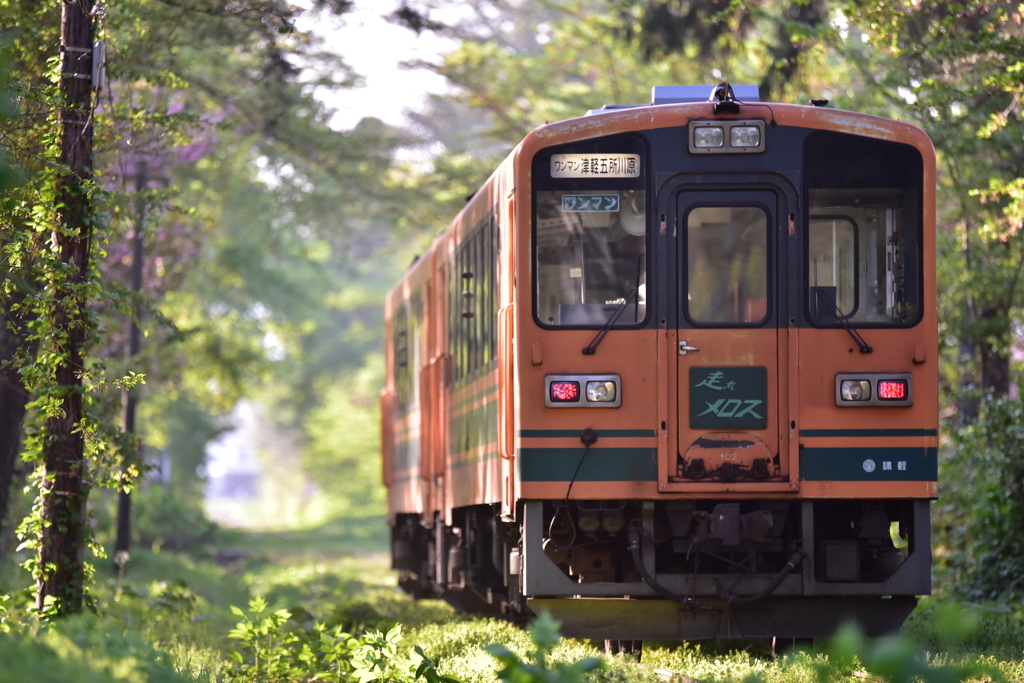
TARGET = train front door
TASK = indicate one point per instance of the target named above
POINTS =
(729, 282)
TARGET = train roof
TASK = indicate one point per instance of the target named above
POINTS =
(686, 94)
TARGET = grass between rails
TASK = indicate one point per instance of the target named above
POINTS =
(170, 616)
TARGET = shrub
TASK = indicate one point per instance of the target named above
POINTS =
(979, 537)
(85, 650)
(544, 635)
(164, 520)
(893, 659)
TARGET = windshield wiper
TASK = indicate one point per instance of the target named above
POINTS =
(854, 334)
(591, 348)
(819, 295)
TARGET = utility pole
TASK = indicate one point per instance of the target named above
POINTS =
(61, 575)
(123, 543)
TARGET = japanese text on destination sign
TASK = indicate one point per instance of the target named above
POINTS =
(595, 165)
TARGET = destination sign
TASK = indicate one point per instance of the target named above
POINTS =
(590, 202)
(595, 165)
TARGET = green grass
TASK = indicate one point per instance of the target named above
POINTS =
(168, 620)
(214, 583)
(84, 649)
(344, 536)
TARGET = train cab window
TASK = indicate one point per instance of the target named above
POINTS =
(591, 256)
(727, 265)
(833, 265)
(863, 231)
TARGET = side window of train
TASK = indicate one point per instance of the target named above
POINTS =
(473, 302)
(401, 355)
(407, 331)
(864, 230)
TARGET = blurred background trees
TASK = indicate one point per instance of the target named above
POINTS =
(271, 236)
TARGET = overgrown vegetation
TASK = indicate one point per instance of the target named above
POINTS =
(978, 518)
(342, 619)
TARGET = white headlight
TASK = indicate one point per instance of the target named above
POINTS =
(855, 390)
(601, 392)
(744, 136)
(706, 137)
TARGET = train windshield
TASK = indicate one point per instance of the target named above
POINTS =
(863, 232)
(861, 256)
(727, 265)
(591, 257)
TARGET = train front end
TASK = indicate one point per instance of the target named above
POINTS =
(725, 376)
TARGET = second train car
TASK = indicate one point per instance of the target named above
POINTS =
(671, 374)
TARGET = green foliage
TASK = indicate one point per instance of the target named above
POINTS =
(544, 635)
(941, 625)
(82, 650)
(178, 627)
(8, 110)
(261, 635)
(893, 659)
(979, 538)
(428, 671)
(287, 644)
(257, 214)
(180, 424)
(5, 627)
(377, 659)
(344, 438)
(166, 520)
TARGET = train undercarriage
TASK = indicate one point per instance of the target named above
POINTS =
(677, 569)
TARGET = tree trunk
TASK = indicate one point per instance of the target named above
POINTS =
(968, 404)
(995, 370)
(61, 577)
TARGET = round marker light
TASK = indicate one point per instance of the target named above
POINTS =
(600, 392)
(855, 390)
(706, 137)
(589, 521)
(744, 136)
(612, 522)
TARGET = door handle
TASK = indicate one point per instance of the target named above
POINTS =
(684, 347)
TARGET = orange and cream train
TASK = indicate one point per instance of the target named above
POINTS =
(671, 373)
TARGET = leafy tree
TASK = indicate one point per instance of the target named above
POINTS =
(959, 67)
(771, 41)
(258, 204)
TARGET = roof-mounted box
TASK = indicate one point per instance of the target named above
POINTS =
(680, 94)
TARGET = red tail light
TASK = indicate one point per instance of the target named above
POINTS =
(892, 390)
(565, 392)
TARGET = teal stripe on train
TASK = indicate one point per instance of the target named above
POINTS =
(869, 464)
(471, 430)
(562, 433)
(601, 464)
(407, 454)
(867, 432)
